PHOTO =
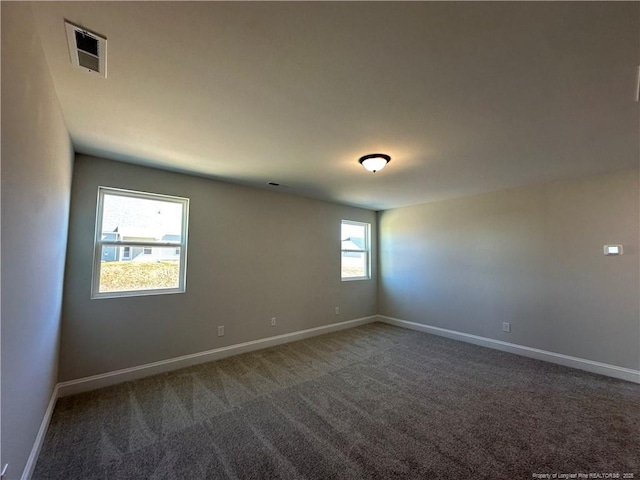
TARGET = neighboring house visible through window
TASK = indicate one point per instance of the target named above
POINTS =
(356, 250)
(140, 244)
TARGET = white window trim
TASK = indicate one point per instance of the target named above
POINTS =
(99, 243)
(366, 250)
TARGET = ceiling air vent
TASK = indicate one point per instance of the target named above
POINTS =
(88, 50)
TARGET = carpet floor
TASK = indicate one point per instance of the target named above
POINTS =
(372, 402)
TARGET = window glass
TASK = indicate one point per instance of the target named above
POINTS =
(355, 250)
(140, 243)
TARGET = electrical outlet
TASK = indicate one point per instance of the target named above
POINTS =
(273, 321)
(506, 327)
(221, 331)
(337, 310)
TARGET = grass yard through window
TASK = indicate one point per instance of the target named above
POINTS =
(349, 271)
(123, 276)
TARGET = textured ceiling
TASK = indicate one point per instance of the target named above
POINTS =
(466, 97)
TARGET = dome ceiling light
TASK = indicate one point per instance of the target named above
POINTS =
(375, 161)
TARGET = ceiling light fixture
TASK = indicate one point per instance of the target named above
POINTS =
(375, 161)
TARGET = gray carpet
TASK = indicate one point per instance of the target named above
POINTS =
(370, 402)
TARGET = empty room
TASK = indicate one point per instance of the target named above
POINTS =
(320, 240)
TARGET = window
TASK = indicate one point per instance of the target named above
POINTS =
(356, 248)
(140, 244)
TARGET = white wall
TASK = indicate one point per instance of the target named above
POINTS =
(36, 180)
(252, 255)
(530, 256)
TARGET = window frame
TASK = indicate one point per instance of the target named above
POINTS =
(366, 250)
(98, 243)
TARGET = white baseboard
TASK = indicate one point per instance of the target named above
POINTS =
(558, 358)
(111, 378)
(42, 431)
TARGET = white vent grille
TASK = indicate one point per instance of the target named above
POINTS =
(88, 50)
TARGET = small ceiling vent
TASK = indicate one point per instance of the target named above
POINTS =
(88, 50)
